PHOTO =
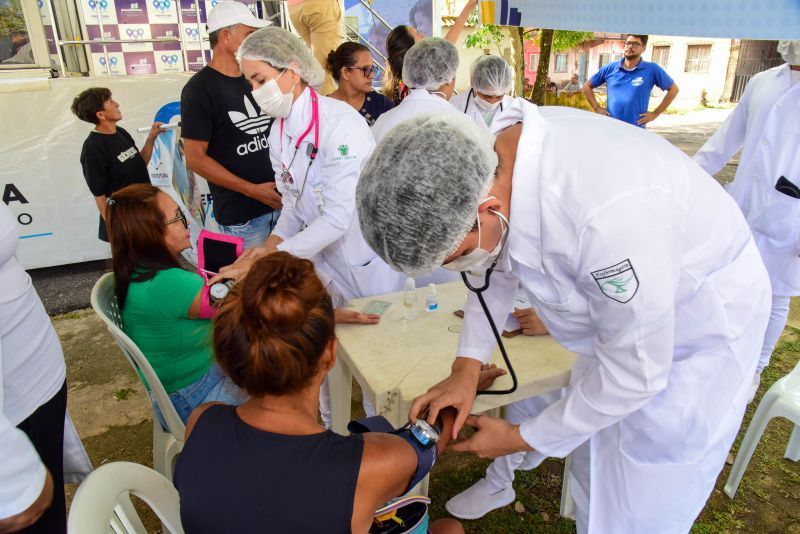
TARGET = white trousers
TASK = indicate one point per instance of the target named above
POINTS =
(325, 404)
(777, 322)
(500, 473)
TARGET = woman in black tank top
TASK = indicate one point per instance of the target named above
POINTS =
(268, 465)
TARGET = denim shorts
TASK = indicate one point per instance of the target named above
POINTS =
(255, 231)
(212, 386)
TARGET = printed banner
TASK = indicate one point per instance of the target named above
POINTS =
(742, 19)
(109, 32)
(168, 171)
(140, 63)
(102, 10)
(131, 11)
(113, 64)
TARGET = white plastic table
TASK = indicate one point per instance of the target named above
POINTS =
(397, 360)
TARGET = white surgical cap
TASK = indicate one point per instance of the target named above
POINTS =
(282, 49)
(419, 191)
(790, 51)
(491, 75)
(430, 64)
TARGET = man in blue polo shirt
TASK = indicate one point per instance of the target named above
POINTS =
(629, 82)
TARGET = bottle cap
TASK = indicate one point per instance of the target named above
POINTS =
(410, 284)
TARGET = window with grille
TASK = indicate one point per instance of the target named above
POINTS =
(608, 58)
(661, 55)
(533, 62)
(698, 58)
(561, 63)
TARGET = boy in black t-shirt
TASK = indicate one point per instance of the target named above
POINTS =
(109, 157)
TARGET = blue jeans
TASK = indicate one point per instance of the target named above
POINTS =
(212, 386)
(255, 231)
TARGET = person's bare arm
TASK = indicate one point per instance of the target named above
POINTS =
(588, 92)
(198, 160)
(458, 26)
(101, 205)
(649, 116)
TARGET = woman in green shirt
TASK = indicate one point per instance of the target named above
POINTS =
(160, 301)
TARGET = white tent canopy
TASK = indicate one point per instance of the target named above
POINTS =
(744, 19)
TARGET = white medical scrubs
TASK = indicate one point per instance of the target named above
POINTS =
(765, 125)
(638, 262)
(319, 222)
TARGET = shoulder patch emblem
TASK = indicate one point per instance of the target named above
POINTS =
(618, 282)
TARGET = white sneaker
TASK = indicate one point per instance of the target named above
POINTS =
(478, 500)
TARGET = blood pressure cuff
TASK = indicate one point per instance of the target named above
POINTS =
(426, 457)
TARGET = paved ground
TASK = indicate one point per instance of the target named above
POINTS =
(67, 288)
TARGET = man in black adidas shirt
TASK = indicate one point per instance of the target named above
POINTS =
(225, 134)
(109, 157)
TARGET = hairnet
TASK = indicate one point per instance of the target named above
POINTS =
(790, 51)
(491, 75)
(430, 64)
(282, 49)
(419, 191)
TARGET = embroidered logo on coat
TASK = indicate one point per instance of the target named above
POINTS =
(618, 282)
(343, 149)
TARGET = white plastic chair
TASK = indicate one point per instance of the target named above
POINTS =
(781, 400)
(167, 444)
(102, 503)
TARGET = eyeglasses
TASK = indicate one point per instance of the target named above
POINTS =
(632, 44)
(368, 70)
(179, 217)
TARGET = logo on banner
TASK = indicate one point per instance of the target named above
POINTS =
(103, 4)
(618, 282)
(193, 33)
(169, 60)
(162, 5)
(253, 123)
(112, 61)
(137, 33)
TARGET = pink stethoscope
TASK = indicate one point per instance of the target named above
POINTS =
(286, 175)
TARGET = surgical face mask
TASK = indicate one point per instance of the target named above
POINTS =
(479, 260)
(790, 51)
(485, 106)
(272, 100)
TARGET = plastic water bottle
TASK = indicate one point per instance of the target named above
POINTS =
(410, 299)
(432, 302)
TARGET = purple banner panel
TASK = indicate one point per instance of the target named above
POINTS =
(140, 63)
(189, 13)
(195, 59)
(110, 31)
(131, 11)
(165, 30)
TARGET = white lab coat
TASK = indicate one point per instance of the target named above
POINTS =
(465, 103)
(766, 126)
(322, 225)
(637, 261)
(418, 101)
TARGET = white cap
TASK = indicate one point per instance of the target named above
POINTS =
(228, 13)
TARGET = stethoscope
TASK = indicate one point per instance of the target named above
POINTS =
(469, 99)
(311, 150)
(479, 293)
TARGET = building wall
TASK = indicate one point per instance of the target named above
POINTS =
(691, 84)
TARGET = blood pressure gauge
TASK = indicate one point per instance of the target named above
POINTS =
(424, 433)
